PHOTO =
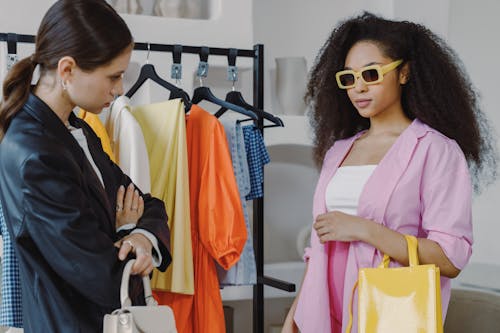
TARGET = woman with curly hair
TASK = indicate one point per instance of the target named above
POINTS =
(398, 134)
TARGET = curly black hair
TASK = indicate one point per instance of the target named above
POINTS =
(438, 93)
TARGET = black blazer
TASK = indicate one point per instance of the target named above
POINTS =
(62, 221)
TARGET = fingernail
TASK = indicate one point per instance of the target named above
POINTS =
(140, 198)
(136, 192)
(121, 188)
(131, 185)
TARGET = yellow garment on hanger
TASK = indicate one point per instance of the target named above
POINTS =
(95, 123)
(164, 128)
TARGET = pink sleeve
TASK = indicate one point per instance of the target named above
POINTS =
(446, 201)
(307, 254)
(319, 199)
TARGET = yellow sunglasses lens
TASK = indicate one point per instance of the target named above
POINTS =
(370, 75)
(348, 79)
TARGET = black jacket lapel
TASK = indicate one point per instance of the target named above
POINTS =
(55, 127)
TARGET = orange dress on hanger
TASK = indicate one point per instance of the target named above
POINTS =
(217, 224)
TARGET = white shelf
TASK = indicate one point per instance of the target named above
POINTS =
(292, 272)
(296, 131)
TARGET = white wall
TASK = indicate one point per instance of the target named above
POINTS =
(299, 28)
(473, 33)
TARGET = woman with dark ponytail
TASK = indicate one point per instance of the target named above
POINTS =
(398, 135)
(73, 216)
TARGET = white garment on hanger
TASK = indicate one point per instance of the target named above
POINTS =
(127, 143)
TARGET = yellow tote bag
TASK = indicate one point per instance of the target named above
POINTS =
(396, 300)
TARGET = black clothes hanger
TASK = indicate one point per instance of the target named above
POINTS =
(148, 72)
(236, 98)
(205, 94)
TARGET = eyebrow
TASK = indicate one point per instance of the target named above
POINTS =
(117, 73)
(368, 64)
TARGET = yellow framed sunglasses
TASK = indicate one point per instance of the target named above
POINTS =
(372, 74)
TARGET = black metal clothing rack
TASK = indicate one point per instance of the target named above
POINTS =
(257, 53)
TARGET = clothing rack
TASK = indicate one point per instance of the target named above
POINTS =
(257, 53)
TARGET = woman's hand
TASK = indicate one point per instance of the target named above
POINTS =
(129, 206)
(289, 326)
(338, 226)
(139, 245)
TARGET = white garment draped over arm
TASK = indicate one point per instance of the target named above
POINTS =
(127, 143)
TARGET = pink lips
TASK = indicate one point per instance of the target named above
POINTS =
(362, 103)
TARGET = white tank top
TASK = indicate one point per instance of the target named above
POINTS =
(345, 188)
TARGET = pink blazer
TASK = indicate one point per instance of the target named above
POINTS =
(421, 187)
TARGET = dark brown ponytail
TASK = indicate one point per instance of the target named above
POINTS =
(16, 88)
(90, 31)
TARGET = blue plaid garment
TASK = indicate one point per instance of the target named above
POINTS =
(257, 156)
(11, 310)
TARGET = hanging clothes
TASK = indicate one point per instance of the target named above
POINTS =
(96, 124)
(11, 310)
(11, 305)
(127, 143)
(3, 64)
(245, 270)
(257, 156)
(164, 128)
(217, 230)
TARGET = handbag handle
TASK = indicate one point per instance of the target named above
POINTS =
(412, 243)
(124, 297)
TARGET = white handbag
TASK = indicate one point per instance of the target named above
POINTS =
(152, 318)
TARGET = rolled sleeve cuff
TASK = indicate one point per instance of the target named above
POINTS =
(124, 227)
(156, 250)
(458, 250)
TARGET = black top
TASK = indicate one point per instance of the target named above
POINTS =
(62, 222)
